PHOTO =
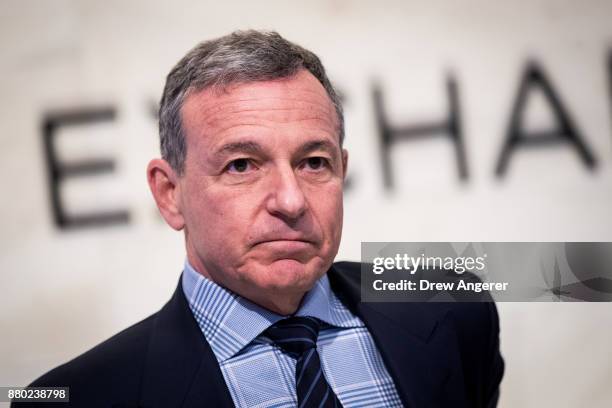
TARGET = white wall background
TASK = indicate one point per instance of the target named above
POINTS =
(63, 292)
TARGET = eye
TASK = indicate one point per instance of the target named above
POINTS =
(239, 166)
(315, 163)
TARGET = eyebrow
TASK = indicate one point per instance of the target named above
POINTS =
(240, 147)
(315, 145)
(256, 149)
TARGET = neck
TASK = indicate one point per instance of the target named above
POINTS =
(284, 303)
(280, 304)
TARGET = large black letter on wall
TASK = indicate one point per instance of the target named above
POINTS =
(566, 130)
(450, 126)
(58, 171)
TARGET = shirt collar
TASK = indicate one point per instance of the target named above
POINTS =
(229, 322)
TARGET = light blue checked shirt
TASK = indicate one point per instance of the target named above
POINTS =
(260, 374)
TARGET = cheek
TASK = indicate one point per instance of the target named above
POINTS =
(220, 219)
(327, 207)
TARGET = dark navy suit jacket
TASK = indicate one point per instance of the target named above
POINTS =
(439, 355)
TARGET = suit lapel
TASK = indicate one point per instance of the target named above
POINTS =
(181, 369)
(418, 344)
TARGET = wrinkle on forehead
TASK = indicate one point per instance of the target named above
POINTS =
(295, 99)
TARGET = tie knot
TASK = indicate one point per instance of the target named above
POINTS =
(295, 334)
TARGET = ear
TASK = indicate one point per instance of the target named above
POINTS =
(163, 182)
(344, 163)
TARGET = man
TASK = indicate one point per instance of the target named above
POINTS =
(252, 170)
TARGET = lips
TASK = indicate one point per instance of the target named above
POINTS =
(288, 239)
(284, 240)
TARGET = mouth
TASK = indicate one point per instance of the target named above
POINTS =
(284, 240)
(285, 244)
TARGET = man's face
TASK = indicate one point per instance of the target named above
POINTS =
(261, 195)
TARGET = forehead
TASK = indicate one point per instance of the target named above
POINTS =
(298, 101)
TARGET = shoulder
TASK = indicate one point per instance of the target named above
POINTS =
(108, 371)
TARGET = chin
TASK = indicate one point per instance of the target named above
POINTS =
(289, 274)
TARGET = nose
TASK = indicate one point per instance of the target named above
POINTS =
(287, 198)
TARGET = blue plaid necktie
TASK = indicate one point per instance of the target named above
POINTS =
(298, 337)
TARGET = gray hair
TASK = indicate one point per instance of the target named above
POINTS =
(240, 57)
